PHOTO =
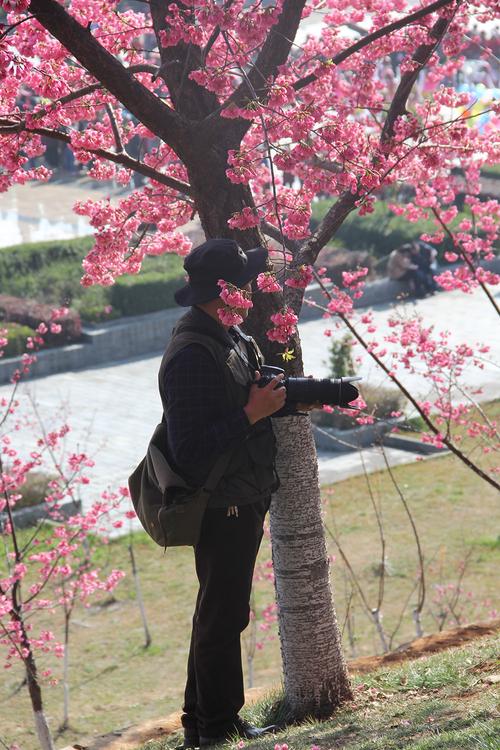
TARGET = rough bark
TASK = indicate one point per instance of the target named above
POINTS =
(315, 673)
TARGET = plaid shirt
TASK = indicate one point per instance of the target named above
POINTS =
(200, 424)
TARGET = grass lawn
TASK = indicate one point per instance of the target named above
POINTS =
(448, 701)
(115, 682)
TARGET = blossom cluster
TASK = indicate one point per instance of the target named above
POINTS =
(234, 300)
(284, 327)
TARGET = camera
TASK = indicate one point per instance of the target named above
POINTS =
(330, 391)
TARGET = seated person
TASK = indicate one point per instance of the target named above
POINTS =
(401, 267)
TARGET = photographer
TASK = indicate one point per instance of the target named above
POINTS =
(211, 406)
(217, 399)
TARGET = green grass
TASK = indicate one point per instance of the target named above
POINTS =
(116, 682)
(440, 702)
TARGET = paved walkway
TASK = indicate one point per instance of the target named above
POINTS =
(113, 409)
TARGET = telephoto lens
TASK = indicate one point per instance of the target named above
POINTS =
(329, 391)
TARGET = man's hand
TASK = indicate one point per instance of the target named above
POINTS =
(262, 402)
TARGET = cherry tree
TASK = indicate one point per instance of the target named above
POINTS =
(51, 567)
(223, 102)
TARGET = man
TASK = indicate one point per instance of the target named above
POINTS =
(424, 257)
(402, 268)
(213, 406)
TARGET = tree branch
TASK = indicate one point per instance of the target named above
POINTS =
(274, 53)
(189, 98)
(403, 91)
(118, 158)
(274, 233)
(465, 257)
(85, 91)
(369, 38)
(117, 79)
(114, 127)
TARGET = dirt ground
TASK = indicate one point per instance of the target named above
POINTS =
(430, 644)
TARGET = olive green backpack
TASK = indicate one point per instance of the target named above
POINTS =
(170, 510)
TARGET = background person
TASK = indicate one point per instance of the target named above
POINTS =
(401, 267)
(424, 256)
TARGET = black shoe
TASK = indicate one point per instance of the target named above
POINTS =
(191, 740)
(240, 728)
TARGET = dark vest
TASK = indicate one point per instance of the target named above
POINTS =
(250, 475)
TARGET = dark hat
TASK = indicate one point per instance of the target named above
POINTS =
(218, 259)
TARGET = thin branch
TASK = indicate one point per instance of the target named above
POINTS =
(274, 52)
(421, 594)
(85, 91)
(369, 38)
(380, 527)
(465, 257)
(408, 79)
(13, 26)
(123, 159)
(346, 203)
(114, 128)
(406, 393)
(274, 233)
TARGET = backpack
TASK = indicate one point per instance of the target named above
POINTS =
(170, 510)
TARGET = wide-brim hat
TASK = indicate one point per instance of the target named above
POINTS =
(218, 259)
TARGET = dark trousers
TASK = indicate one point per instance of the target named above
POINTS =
(225, 560)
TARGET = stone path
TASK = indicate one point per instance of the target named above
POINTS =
(113, 409)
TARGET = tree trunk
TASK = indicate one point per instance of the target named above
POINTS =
(42, 728)
(315, 674)
(65, 719)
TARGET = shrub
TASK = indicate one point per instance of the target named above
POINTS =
(29, 257)
(51, 271)
(341, 364)
(32, 313)
(148, 292)
(16, 339)
(34, 490)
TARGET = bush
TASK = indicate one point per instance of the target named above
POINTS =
(379, 232)
(341, 364)
(16, 339)
(144, 293)
(51, 271)
(34, 490)
(32, 313)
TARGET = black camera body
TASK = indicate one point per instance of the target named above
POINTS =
(329, 391)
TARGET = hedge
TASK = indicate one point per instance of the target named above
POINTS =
(51, 271)
(29, 257)
(16, 338)
(144, 293)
